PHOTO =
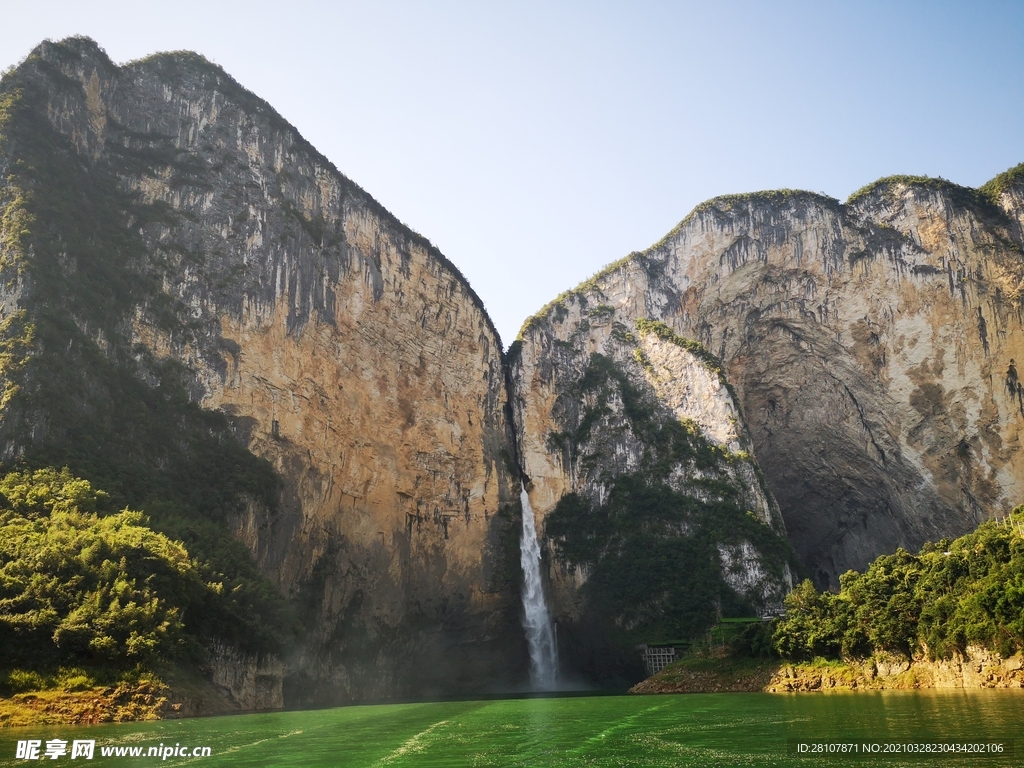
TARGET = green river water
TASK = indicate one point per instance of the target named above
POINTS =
(671, 730)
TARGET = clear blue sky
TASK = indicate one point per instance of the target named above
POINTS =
(534, 142)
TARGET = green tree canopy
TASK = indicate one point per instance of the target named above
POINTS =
(951, 594)
(77, 586)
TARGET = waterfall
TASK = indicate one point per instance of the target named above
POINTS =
(540, 634)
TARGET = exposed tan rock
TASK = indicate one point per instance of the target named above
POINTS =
(874, 348)
(348, 352)
(977, 668)
(252, 683)
(184, 695)
(580, 437)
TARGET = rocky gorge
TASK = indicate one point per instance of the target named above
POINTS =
(201, 313)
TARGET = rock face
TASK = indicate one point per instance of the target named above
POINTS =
(654, 513)
(975, 668)
(345, 349)
(873, 346)
(196, 303)
(251, 682)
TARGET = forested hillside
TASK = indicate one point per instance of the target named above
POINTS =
(951, 594)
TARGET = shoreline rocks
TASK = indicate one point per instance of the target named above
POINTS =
(976, 669)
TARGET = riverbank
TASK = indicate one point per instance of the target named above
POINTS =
(183, 695)
(978, 668)
(711, 674)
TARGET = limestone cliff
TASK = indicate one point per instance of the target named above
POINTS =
(654, 513)
(249, 682)
(873, 345)
(211, 244)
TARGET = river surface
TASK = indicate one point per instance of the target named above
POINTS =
(672, 730)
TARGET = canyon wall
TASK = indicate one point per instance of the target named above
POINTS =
(344, 348)
(976, 667)
(655, 515)
(873, 347)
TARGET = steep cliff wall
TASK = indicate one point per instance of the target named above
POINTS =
(343, 348)
(654, 514)
(250, 682)
(873, 347)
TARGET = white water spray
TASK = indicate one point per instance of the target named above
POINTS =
(540, 634)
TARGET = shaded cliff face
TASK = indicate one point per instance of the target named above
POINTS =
(874, 347)
(654, 515)
(344, 350)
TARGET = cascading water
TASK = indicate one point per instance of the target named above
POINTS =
(540, 634)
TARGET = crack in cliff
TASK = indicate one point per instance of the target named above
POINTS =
(863, 420)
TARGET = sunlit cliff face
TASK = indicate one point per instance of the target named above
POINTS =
(873, 347)
(345, 349)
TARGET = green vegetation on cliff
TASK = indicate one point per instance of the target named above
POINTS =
(77, 587)
(651, 549)
(666, 441)
(953, 593)
(648, 579)
(89, 594)
(695, 348)
(79, 392)
(1013, 179)
(983, 201)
